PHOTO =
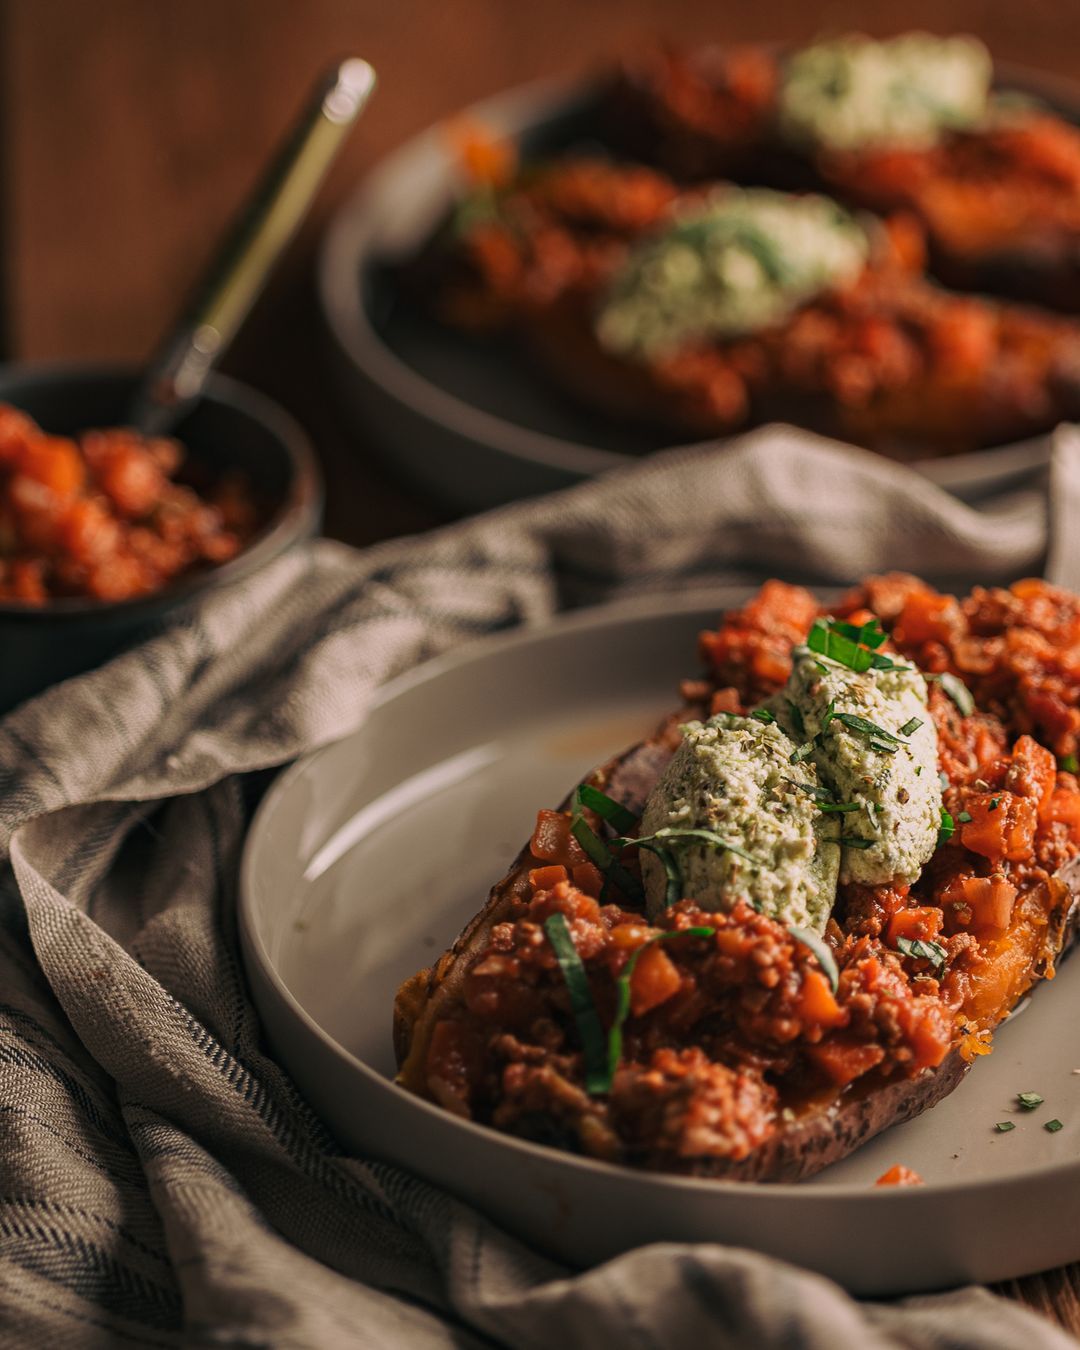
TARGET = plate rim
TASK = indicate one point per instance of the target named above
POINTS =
(641, 608)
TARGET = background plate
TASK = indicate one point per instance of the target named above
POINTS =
(368, 856)
(467, 418)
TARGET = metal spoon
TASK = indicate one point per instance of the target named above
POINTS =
(176, 375)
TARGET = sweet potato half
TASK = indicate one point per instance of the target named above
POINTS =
(737, 1061)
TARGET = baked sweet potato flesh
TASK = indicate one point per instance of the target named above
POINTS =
(738, 1057)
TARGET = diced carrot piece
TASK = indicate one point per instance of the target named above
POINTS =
(547, 878)
(844, 1061)
(655, 979)
(899, 1175)
(1064, 806)
(552, 841)
(817, 1003)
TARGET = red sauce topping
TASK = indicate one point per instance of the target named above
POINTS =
(730, 1034)
(102, 516)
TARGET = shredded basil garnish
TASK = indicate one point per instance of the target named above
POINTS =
(933, 952)
(995, 802)
(958, 691)
(661, 845)
(803, 752)
(856, 723)
(882, 748)
(1029, 1100)
(870, 634)
(830, 713)
(964, 817)
(598, 853)
(911, 726)
(622, 995)
(850, 645)
(853, 841)
(763, 715)
(616, 815)
(947, 828)
(796, 718)
(815, 790)
(674, 833)
(590, 1030)
(838, 806)
(828, 640)
(1069, 763)
(821, 950)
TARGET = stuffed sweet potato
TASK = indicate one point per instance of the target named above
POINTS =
(700, 313)
(911, 123)
(695, 1017)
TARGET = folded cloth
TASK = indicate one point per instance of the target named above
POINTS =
(161, 1181)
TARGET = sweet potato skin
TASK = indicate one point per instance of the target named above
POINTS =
(825, 1131)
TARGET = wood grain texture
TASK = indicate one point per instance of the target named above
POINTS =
(131, 130)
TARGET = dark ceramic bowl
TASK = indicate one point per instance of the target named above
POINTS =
(232, 428)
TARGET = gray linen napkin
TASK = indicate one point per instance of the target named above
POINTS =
(161, 1181)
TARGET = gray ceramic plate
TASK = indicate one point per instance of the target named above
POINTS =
(366, 859)
(469, 420)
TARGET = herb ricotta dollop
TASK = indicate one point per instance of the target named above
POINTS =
(743, 260)
(853, 92)
(734, 776)
(875, 745)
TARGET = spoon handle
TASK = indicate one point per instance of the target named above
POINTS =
(176, 375)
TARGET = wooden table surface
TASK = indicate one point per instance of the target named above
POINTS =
(132, 130)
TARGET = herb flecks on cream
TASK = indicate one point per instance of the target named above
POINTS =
(853, 92)
(741, 261)
(874, 744)
(732, 775)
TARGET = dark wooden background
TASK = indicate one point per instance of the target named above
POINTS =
(131, 130)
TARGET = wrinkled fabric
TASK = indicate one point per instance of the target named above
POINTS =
(163, 1183)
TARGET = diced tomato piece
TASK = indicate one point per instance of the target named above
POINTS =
(654, 980)
(552, 841)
